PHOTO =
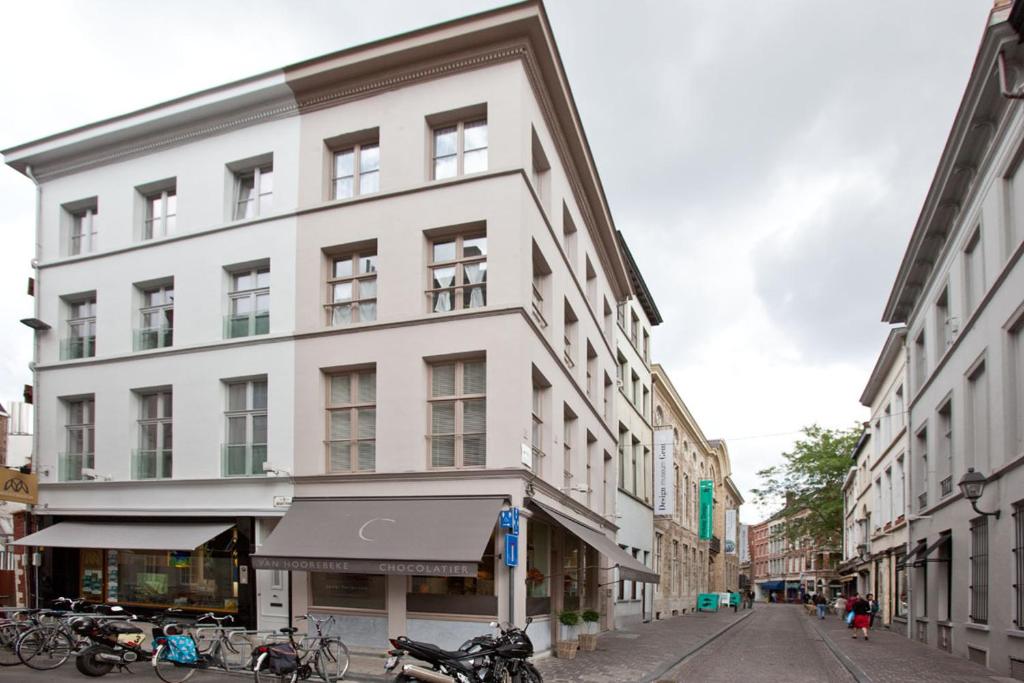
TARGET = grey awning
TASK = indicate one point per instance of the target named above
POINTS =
(922, 556)
(418, 536)
(630, 568)
(125, 535)
(909, 557)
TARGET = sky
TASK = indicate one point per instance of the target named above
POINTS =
(766, 161)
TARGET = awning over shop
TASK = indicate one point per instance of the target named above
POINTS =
(630, 569)
(772, 585)
(918, 549)
(125, 535)
(417, 536)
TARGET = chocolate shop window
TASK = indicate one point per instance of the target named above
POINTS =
(457, 594)
(348, 591)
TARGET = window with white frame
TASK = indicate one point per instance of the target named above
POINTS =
(254, 192)
(83, 228)
(352, 287)
(153, 458)
(568, 439)
(1018, 561)
(979, 570)
(458, 272)
(1015, 383)
(80, 439)
(352, 421)
(570, 327)
(458, 414)
(156, 317)
(943, 322)
(537, 428)
(81, 328)
(974, 272)
(249, 302)
(920, 361)
(161, 213)
(977, 417)
(899, 488)
(245, 450)
(460, 149)
(945, 421)
(356, 170)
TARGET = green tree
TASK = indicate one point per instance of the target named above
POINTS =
(811, 478)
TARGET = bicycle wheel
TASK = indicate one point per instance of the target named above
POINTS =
(44, 648)
(170, 671)
(261, 675)
(331, 660)
(9, 633)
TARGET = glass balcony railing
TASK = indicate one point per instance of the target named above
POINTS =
(70, 465)
(246, 325)
(243, 459)
(151, 464)
(153, 338)
(77, 347)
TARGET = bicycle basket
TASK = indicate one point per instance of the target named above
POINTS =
(181, 650)
(282, 659)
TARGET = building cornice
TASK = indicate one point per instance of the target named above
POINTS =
(892, 351)
(976, 127)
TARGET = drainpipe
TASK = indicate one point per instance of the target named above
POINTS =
(908, 504)
(29, 521)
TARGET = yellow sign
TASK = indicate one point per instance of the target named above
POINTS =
(18, 487)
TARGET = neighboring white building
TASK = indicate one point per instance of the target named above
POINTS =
(634, 497)
(960, 293)
(376, 287)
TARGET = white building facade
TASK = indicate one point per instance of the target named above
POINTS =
(960, 293)
(232, 281)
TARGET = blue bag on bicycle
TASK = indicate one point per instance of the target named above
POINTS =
(181, 650)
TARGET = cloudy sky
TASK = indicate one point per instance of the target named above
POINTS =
(765, 160)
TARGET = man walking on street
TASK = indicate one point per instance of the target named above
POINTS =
(819, 604)
(874, 607)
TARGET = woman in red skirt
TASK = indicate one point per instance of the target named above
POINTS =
(861, 617)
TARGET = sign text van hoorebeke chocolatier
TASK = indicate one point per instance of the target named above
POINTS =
(18, 487)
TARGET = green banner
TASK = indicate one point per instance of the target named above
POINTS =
(707, 508)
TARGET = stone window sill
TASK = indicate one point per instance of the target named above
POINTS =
(977, 627)
(1014, 633)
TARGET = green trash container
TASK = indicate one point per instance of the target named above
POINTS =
(707, 602)
(734, 599)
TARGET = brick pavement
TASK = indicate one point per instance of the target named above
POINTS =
(640, 651)
(888, 657)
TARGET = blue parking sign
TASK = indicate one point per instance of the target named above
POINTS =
(511, 550)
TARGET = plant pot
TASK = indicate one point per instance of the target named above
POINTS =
(566, 649)
(588, 642)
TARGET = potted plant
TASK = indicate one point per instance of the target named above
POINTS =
(567, 642)
(588, 639)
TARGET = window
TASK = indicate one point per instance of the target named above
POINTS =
(352, 421)
(540, 171)
(249, 302)
(458, 273)
(591, 449)
(81, 329)
(569, 235)
(1018, 560)
(899, 410)
(636, 462)
(537, 430)
(541, 281)
(1015, 384)
(352, 288)
(647, 347)
(538, 568)
(80, 437)
(458, 414)
(979, 570)
(943, 322)
(348, 591)
(633, 327)
(456, 595)
(920, 361)
(161, 214)
(254, 192)
(607, 407)
(569, 337)
(921, 473)
(591, 282)
(246, 424)
(152, 460)
(568, 438)
(974, 272)
(899, 487)
(977, 418)
(945, 414)
(591, 371)
(83, 228)
(460, 149)
(356, 171)
(623, 440)
(156, 318)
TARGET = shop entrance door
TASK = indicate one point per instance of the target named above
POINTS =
(271, 589)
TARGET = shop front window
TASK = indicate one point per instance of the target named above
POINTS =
(901, 589)
(571, 576)
(200, 579)
(538, 569)
(456, 594)
(348, 591)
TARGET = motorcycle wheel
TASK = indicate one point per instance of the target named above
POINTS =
(527, 674)
(87, 664)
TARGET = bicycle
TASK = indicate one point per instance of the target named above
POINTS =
(11, 629)
(324, 654)
(213, 656)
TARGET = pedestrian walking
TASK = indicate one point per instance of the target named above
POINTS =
(851, 600)
(873, 602)
(820, 603)
(861, 617)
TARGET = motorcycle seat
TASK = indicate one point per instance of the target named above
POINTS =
(121, 627)
(430, 649)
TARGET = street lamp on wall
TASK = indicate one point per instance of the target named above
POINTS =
(862, 551)
(972, 485)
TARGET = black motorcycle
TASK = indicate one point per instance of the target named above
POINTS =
(484, 659)
(114, 643)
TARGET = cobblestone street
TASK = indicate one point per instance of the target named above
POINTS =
(771, 644)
